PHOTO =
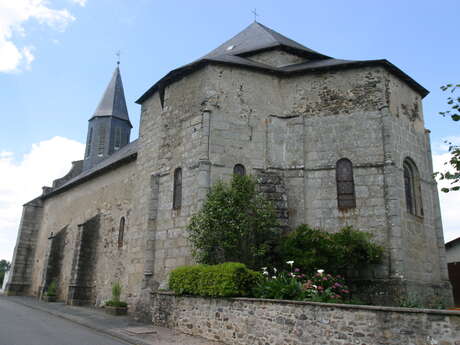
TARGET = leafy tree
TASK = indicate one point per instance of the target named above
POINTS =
(453, 174)
(235, 224)
(4, 266)
(337, 253)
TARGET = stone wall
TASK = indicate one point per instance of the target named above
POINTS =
(20, 281)
(243, 321)
(109, 197)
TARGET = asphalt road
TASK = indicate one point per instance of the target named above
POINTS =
(20, 325)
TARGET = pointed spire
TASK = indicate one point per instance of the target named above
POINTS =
(113, 102)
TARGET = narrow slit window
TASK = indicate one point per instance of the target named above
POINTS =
(346, 198)
(412, 188)
(101, 144)
(117, 144)
(121, 232)
(90, 139)
(177, 189)
(239, 170)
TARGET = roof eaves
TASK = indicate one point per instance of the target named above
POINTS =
(453, 242)
(180, 72)
(85, 176)
(344, 64)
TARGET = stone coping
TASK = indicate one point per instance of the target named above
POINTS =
(331, 305)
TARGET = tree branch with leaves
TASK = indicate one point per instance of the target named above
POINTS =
(453, 172)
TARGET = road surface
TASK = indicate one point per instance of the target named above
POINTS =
(20, 325)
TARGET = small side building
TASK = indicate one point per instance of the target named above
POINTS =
(453, 266)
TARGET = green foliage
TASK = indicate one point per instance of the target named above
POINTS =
(453, 174)
(224, 280)
(319, 287)
(4, 266)
(116, 292)
(52, 289)
(235, 224)
(338, 253)
(282, 286)
(118, 304)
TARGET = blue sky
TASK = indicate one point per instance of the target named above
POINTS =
(68, 56)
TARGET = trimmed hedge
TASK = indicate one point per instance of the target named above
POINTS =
(230, 279)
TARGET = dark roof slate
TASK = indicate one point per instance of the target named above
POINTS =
(113, 102)
(257, 37)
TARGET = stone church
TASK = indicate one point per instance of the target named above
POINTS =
(332, 142)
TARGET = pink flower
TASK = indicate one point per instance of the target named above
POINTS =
(324, 278)
(296, 270)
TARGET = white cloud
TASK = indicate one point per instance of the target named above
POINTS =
(82, 3)
(22, 181)
(450, 202)
(13, 14)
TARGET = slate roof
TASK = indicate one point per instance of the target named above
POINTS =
(257, 37)
(113, 102)
(452, 243)
(126, 154)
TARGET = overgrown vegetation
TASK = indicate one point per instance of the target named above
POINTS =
(51, 291)
(235, 224)
(116, 293)
(319, 287)
(337, 253)
(4, 267)
(224, 280)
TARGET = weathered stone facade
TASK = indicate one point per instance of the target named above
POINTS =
(242, 321)
(288, 115)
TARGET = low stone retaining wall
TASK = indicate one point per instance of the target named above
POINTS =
(247, 321)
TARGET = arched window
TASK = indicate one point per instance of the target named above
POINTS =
(412, 188)
(177, 191)
(121, 232)
(239, 169)
(346, 198)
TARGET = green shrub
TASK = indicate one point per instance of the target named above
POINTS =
(230, 279)
(184, 280)
(338, 253)
(116, 292)
(52, 289)
(118, 304)
(235, 224)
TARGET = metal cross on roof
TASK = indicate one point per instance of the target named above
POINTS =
(254, 12)
(118, 54)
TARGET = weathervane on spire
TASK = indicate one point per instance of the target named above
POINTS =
(118, 54)
(254, 12)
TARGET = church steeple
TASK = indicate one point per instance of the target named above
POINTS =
(109, 128)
